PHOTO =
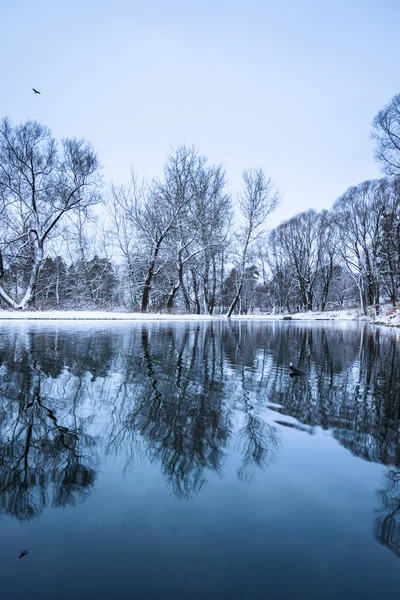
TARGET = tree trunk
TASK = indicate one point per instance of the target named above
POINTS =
(149, 279)
(196, 293)
(57, 294)
(6, 298)
(377, 297)
(362, 299)
(214, 286)
(235, 301)
(206, 284)
(146, 289)
(324, 298)
(183, 288)
(171, 299)
(309, 300)
(30, 291)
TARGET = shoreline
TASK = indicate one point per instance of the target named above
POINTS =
(388, 317)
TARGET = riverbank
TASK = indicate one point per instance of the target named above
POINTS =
(388, 316)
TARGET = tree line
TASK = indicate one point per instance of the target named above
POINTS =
(182, 242)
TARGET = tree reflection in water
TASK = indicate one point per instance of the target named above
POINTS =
(42, 460)
(387, 525)
(186, 396)
(177, 412)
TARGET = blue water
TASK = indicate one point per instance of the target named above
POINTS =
(183, 461)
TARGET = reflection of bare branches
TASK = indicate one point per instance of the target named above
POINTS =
(258, 442)
(171, 394)
(175, 411)
(37, 452)
(40, 454)
(387, 525)
(353, 388)
(184, 433)
(257, 439)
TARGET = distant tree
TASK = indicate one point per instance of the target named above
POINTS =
(248, 295)
(343, 289)
(51, 283)
(358, 214)
(250, 288)
(300, 239)
(283, 290)
(257, 201)
(229, 287)
(39, 184)
(103, 281)
(390, 237)
(386, 134)
(92, 282)
(327, 257)
(123, 230)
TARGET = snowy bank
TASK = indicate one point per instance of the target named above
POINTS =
(389, 316)
(94, 315)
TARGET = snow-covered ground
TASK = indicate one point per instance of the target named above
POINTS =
(389, 316)
(95, 315)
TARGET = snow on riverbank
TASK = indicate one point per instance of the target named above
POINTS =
(389, 316)
(94, 315)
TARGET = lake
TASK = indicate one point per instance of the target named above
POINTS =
(181, 460)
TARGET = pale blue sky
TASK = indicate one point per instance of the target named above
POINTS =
(289, 86)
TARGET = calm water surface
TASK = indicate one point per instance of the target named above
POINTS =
(182, 461)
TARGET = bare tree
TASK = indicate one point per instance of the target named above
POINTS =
(154, 211)
(52, 282)
(389, 188)
(257, 201)
(283, 290)
(300, 241)
(358, 214)
(198, 240)
(130, 251)
(386, 134)
(164, 230)
(214, 213)
(327, 255)
(39, 184)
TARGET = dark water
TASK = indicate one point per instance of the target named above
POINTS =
(182, 461)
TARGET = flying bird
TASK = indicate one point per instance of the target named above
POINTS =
(36, 92)
(23, 553)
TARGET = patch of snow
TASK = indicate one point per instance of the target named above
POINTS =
(331, 315)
